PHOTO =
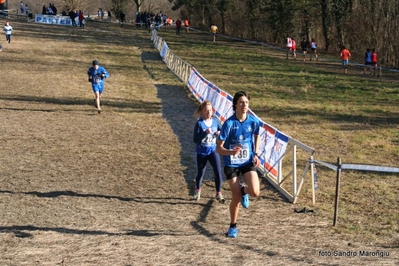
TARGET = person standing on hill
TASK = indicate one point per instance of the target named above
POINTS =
(8, 29)
(81, 18)
(178, 26)
(214, 30)
(367, 61)
(72, 16)
(22, 7)
(97, 74)
(122, 17)
(345, 54)
(239, 143)
(304, 47)
(206, 131)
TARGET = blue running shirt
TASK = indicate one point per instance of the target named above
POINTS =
(234, 133)
(206, 143)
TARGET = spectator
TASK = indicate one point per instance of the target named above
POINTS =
(54, 9)
(109, 15)
(26, 9)
(21, 7)
(122, 17)
(102, 14)
(367, 61)
(81, 18)
(72, 16)
(178, 26)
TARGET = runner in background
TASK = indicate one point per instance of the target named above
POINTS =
(304, 47)
(214, 30)
(374, 61)
(206, 131)
(313, 47)
(293, 49)
(288, 45)
(97, 74)
(345, 54)
(187, 24)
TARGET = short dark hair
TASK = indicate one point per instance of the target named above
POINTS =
(237, 96)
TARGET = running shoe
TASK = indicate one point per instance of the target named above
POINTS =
(197, 195)
(245, 201)
(232, 232)
(219, 197)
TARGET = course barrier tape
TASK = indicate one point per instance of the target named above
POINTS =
(358, 167)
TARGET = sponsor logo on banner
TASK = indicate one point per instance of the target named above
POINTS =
(57, 20)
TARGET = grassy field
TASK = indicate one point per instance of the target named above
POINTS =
(354, 117)
(80, 188)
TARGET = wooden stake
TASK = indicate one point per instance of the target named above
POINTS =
(337, 191)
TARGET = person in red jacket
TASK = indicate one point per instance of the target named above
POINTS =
(374, 60)
(187, 24)
(293, 49)
(345, 54)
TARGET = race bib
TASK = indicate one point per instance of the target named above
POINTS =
(96, 79)
(241, 157)
(209, 140)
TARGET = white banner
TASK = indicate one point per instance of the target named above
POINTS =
(58, 20)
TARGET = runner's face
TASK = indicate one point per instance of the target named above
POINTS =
(242, 104)
(207, 112)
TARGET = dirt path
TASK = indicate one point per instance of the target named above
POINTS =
(79, 188)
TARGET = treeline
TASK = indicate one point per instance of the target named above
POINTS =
(357, 24)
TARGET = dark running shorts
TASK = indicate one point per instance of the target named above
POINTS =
(232, 172)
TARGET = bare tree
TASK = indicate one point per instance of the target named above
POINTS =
(75, 4)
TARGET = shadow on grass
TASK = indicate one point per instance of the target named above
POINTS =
(20, 231)
(137, 106)
(55, 194)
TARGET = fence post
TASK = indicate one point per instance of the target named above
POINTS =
(337, 191)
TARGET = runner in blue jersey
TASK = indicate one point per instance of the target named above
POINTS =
(238, 143)
(206, 131)
(97, 74)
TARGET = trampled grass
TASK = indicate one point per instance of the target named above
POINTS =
(354, 117)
